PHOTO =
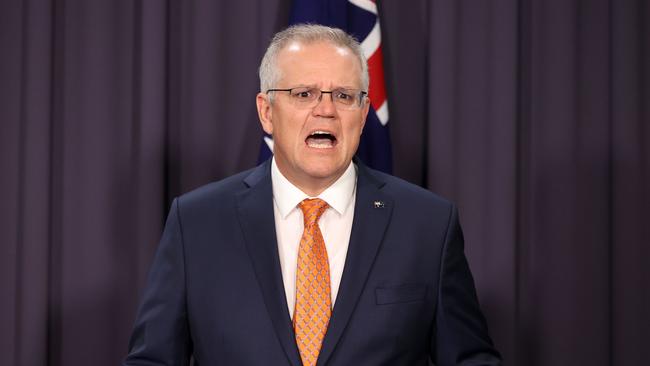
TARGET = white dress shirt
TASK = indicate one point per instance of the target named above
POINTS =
(335, 225)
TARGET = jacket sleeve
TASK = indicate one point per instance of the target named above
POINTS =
(460, 336)
(160, 335)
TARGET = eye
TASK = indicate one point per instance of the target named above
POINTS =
(302, 93)
(343, 95)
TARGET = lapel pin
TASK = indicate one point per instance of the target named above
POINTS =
(379, 204)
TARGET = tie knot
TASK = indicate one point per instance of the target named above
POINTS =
(312, 209)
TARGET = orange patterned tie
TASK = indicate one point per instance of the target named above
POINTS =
(313, 302)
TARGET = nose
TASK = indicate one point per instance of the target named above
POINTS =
(325, 106)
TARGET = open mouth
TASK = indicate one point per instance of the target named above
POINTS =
(321, 140)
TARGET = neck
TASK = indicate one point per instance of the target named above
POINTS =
(311, 186)
(312, 189)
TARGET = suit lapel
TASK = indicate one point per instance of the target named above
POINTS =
(372, 213)
(255, 210)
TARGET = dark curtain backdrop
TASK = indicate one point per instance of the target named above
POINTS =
(532, 115)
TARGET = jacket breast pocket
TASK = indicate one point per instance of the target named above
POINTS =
(400, 294)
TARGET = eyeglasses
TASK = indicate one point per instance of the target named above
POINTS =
(309, 97)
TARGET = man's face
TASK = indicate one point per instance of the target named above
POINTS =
(310, 162)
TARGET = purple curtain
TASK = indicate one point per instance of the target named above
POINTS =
(533, 115)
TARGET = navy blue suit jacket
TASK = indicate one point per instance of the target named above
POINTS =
(215, 289)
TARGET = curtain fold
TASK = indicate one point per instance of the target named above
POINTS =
(531, 115)
(630, 180)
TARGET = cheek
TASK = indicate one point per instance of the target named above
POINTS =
(289, 123)
(288, 133)
(354, 131)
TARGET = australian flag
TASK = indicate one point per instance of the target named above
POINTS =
(360, 19)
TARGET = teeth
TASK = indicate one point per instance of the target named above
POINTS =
(320, 144)
(320, 139)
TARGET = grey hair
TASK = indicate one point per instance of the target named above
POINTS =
(307, 34)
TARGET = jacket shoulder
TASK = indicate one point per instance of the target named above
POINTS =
(221, 191)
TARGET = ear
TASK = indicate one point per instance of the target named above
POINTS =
(264, 112)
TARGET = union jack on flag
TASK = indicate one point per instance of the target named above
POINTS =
(360, 19)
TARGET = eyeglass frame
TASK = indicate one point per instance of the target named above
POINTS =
(320, 97)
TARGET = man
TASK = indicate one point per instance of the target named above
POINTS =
(311, 258)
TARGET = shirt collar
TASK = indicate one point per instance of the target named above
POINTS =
(338, 196)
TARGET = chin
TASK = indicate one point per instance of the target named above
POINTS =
(320, 173)
(323, 169)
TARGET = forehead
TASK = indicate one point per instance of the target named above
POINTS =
(320, 63)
